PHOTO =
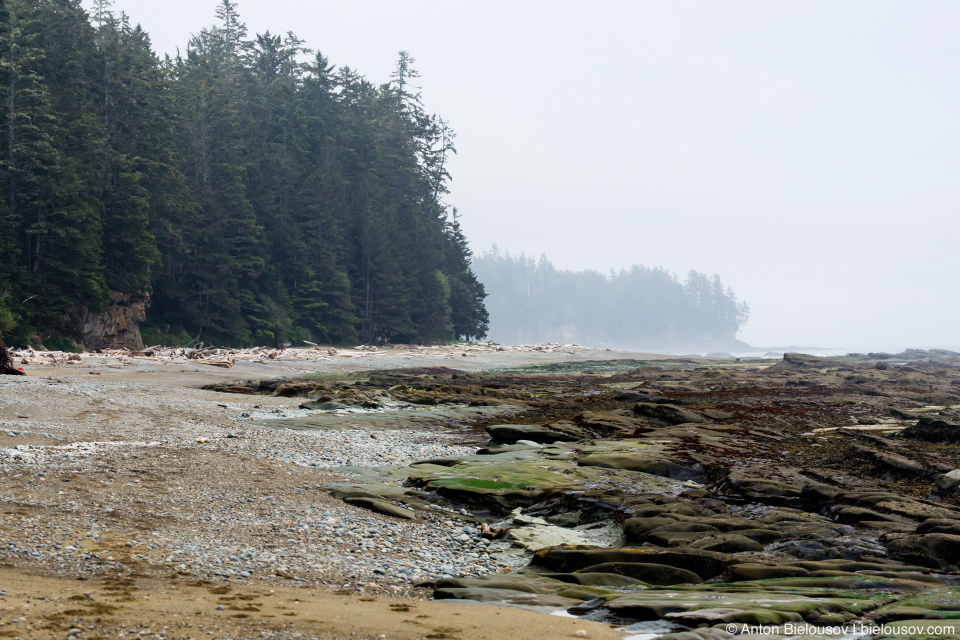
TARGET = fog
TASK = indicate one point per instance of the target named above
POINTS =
(807, 152)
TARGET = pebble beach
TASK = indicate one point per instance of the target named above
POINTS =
(123, 467)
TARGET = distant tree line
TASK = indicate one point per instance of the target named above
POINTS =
(253, 192)
(531, 301)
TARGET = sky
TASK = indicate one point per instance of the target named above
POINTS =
(807, 151)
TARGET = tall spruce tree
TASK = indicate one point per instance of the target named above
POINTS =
(249, 193)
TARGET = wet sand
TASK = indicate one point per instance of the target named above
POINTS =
(178, 607)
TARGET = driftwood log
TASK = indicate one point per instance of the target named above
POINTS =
(6, 364)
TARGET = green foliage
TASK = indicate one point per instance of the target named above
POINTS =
(154, 334)
(252, 196)
(7, 320)
(59, 343)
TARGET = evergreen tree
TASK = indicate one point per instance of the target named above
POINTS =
(637, 308)
(468, 314)
(136, 150)
(249, 193)
(51, 143)
(29, 156)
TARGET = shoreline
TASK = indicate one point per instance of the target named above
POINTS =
(105, 478)
(149, 477)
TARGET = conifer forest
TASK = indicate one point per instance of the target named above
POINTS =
(639, 308)
(249, 192)
(246, 191)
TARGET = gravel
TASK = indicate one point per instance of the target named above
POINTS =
(154, 476)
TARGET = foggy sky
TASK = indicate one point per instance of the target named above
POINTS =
(807, 152)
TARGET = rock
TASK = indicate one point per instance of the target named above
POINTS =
(800, 361)
(727, 543)
(651, 573)
(636, 529)
(667, 414)
(678, 533)
(814, 497)
(762, 536)
(843, 582)
(934, 525)
(529, 443)
(892, 461)
(536, 537)
(769, 483)
(511, 433)
(698, 605)
(568, 519)
(856, 566)
(686, 527)
(704, 617)
(440, 462)
(635, 396)
(675, 510)
(854, 515)
(949, 483)
(316, 405)
(931, 604)
(595, 579)
(517, 478)
(716, 414)
(935, 550)
(608, 422)
(489, 533)
(748, 571)
(705, 564)
(933, 430)
(118, 326)
(900, 505)
(650, 462)
(380, 506)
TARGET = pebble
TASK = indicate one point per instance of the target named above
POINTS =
(221, 527)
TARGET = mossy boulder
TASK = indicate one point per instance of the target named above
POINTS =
(636, 529)
(920, 629)
(596, 579)
(750, 571)
(667, 414)
(935, 550)
(727, 543)
(519, 589)
(930, 604)
(651, 573)
(708, 605)
(705, 564)
(511, 433)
